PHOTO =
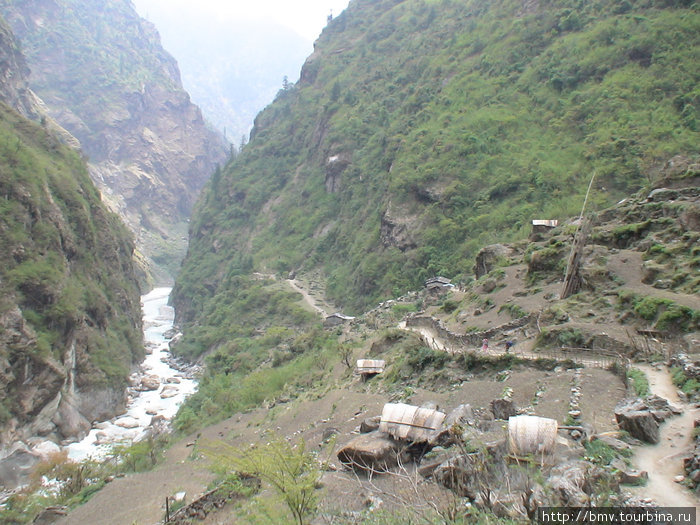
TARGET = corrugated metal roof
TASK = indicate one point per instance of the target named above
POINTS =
(410, 422)
(370, 366)
(338, 315)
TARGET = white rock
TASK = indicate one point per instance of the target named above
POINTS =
(127, 422)
(45, 449)
(168, 392)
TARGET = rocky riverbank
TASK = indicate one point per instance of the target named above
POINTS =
(156, 390)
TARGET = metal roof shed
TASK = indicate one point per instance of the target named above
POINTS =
(370, 366)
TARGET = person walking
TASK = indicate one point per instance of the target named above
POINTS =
(485, 345)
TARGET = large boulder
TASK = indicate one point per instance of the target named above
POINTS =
(641, 418)
(372, 452)
(571, 481)
(461, 474)
(636, 418)
(503, 408)
(462, 415)
(69, 421)
(16, 466)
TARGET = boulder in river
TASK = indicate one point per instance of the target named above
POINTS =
(127, 422)
(150, 382)
(168, 392)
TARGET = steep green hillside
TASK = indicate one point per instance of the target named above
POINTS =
(421, 131)
(105, 77)
(70, 323)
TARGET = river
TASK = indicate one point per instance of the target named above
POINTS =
(158, 320)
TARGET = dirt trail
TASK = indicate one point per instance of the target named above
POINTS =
(432, 339)
(307, 297)
(664, 461)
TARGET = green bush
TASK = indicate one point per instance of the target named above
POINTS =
(449, 305)
(515, 311)
(639, 382)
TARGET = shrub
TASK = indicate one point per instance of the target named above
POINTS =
(291, 470)
(515, 311)
(639, 382)
(449, 306)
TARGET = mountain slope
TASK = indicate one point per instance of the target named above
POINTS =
(422, 131)
(70, 320)
(232, 69)
(105, 78)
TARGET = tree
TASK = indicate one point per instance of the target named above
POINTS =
(291, 471)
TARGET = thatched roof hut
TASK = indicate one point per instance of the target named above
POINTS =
(370, 366)
(532, 435)
(410, 422)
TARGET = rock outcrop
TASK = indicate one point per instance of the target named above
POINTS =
(70, 317)
(374, 452)
(103, 75)
(641, 418)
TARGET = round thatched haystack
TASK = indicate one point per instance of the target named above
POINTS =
(531, 435)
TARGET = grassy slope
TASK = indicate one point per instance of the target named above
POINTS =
(64, 260)
(464, 119)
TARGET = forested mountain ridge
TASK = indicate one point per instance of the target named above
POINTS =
(70, 320)
(104, 76)
(421, 131)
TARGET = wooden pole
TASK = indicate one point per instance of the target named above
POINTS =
(572, 281)
(167, 510)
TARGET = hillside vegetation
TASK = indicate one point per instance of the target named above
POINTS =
(104, 76)
(70, 323)
(421, 131)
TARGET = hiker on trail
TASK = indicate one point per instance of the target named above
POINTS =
(509, 345)
(485, 345)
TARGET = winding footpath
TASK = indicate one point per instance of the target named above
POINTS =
(664, 461)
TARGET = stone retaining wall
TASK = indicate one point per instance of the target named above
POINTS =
(215, 499)
(462, 341)
(602, 358)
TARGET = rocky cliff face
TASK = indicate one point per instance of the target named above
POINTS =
(70, 319)
(14, 87)
(104, 77)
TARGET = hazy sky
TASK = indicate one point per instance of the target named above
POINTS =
(307, 17)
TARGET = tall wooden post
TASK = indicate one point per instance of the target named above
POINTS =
(572, 278)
